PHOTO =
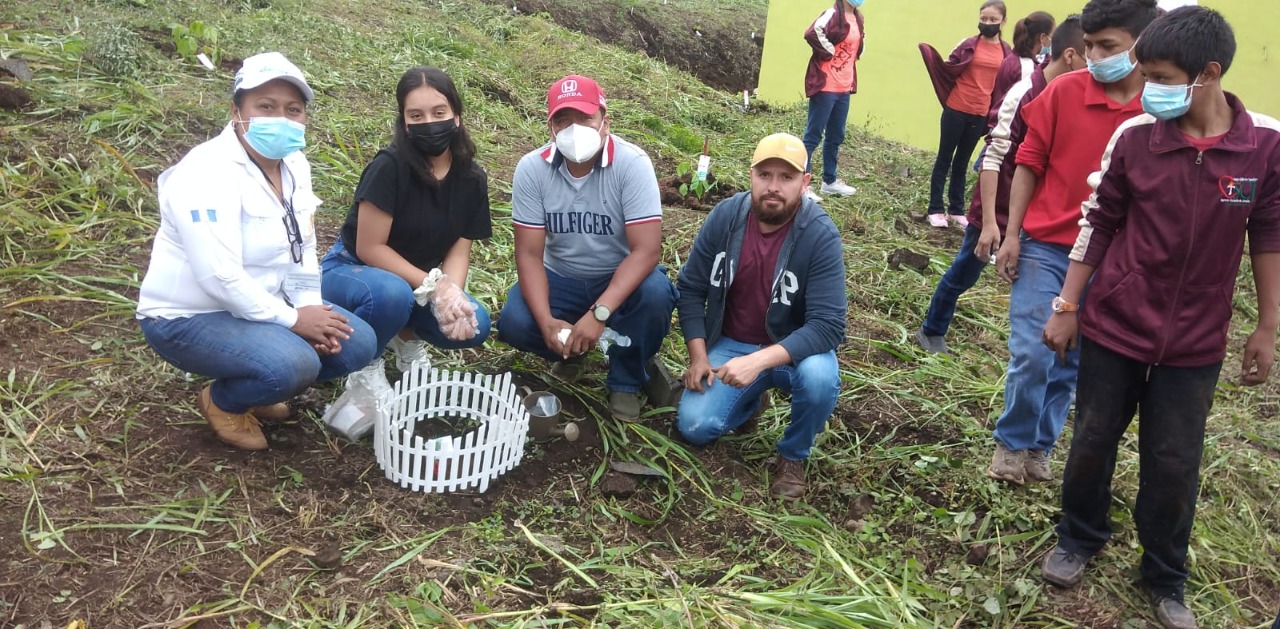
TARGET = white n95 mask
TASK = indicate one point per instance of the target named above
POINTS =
(578, 143)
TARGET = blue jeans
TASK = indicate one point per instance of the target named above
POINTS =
(963, 274)
(385, 301)
(1038, 388)
(253, 363)
(958, 137)
(720, 408)
(828, 111)
(645, 318)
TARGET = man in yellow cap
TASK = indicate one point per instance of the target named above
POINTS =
(762, 305)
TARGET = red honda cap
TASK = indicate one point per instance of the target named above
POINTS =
(577, 92)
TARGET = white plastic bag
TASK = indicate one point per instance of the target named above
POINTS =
(352, 415)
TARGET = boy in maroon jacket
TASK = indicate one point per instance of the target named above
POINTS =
(1162, 239)
(1068, 127)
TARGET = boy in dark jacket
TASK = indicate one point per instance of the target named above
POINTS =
(762, 305)
(1162, 239)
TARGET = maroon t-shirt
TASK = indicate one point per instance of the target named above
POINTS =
(748, 300)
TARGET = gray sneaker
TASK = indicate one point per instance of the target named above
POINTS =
(1063, 568)
(1036, 466)
(1172, 614)
(625, 407)
(1008, 465)
(931, 344)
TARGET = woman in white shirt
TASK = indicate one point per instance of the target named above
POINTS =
(233, 288)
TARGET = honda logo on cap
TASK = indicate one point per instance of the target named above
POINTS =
(569, 85)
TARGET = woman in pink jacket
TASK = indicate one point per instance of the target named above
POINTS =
(837, 41)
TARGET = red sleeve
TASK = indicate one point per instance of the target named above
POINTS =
(1038, 116)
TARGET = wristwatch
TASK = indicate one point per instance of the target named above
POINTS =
(1061, 305)
(601, 312)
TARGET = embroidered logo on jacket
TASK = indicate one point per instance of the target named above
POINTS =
(1238, 190)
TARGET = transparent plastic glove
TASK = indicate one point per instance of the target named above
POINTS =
(453, 311)
(422, 294)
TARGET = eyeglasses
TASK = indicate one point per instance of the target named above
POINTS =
(294, 231)
(291, 226)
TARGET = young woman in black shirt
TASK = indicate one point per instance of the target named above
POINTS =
(402, 259)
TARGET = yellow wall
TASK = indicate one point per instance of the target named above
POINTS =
(895, 97)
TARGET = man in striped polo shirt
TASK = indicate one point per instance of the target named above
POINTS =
(588, 232)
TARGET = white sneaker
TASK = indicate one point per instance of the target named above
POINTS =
(808, 192)
(373, 376)
(838, 188)
(938, 220)
(409, 354)
(961, 220)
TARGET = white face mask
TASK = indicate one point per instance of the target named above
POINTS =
(578, 143)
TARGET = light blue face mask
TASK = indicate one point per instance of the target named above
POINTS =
(855, 3)
(275, 137)
(1167, 102)
(1046, 51)
(1112, 68)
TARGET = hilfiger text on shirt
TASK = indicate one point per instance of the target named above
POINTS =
(580, 223)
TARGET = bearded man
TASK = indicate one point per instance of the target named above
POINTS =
(762, 305)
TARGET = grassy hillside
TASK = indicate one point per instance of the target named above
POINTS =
(117, 505)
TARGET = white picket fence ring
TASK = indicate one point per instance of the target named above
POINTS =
(450, 463)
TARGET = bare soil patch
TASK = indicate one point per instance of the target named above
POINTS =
(722, 47)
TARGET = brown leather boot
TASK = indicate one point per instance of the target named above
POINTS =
(277, 412)
(788, 479)
(237, 429)
(753, 423)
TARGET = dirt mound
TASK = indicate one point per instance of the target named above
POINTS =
(676, 191)
(721, 47)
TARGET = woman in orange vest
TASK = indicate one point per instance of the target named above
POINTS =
(837, 41)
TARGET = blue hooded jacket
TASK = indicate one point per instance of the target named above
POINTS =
(808, 307)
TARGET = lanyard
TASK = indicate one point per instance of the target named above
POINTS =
(291, 227)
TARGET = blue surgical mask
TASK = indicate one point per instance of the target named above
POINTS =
(1046, 51)
(855, 3)
(275, 137)
(1111, 69)
(1167, 102)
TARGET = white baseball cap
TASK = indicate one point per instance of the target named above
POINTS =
(269, 66)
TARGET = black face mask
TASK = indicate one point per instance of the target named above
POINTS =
(433, 138)
(989, 30)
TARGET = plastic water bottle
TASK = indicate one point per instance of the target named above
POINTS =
(611, 337)
(443, 448)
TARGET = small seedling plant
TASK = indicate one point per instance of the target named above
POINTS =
(697, 186)
(192, 39)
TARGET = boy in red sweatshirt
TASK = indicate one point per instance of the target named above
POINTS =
(989, 209)
(1162, 239)
(1068, 126)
